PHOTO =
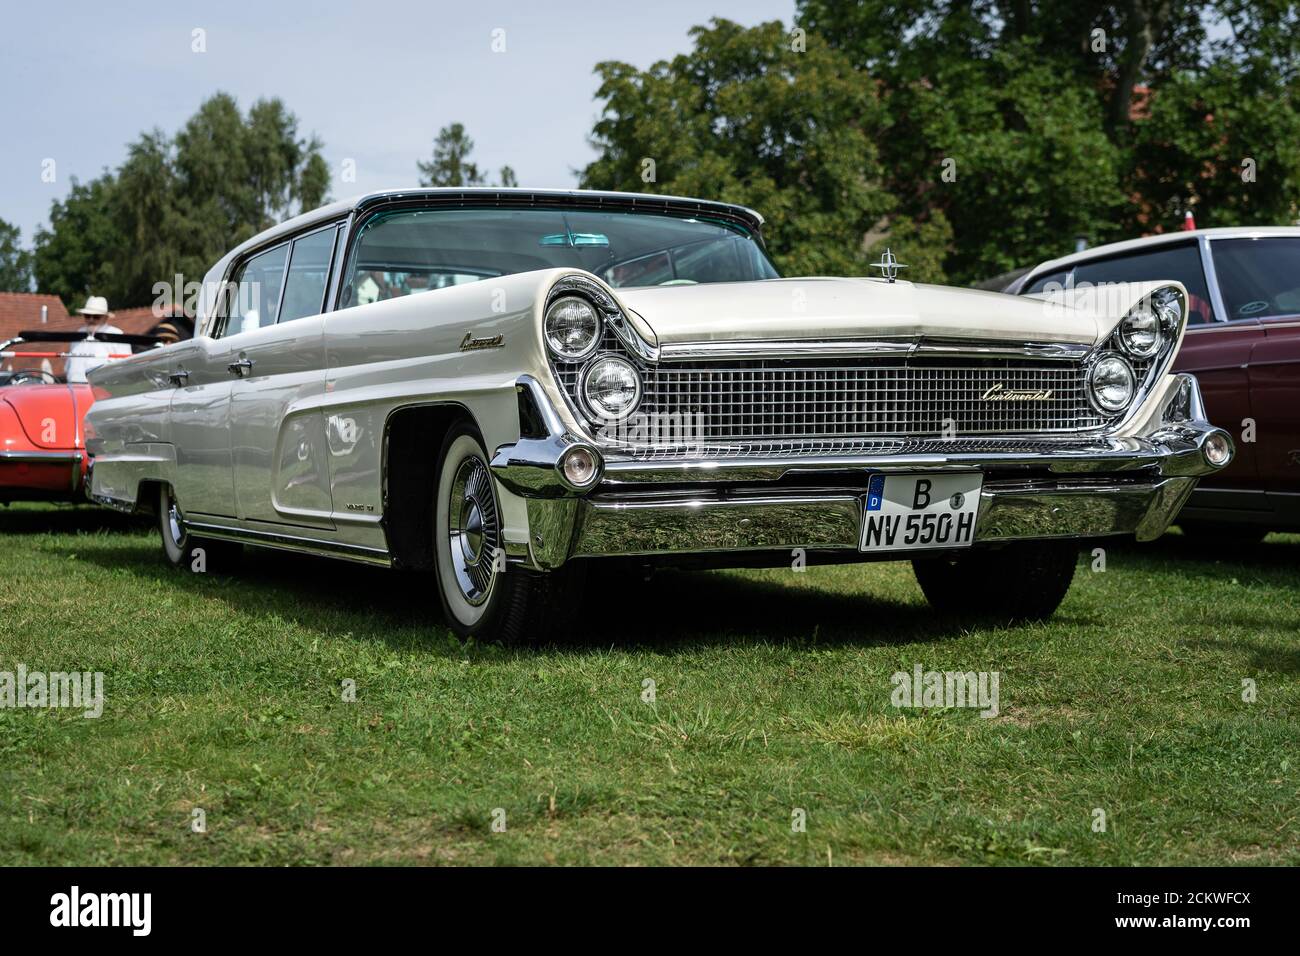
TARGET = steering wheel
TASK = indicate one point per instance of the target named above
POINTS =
(31, 378)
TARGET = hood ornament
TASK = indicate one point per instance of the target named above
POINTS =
(888, 265)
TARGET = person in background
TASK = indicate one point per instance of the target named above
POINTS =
(90, 353)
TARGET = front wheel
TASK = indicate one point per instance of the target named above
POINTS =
(184, 550)
(482, 596)
(1025, 581)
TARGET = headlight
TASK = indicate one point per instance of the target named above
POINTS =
(1111, 384)
(1169, 307)
(1139, 333)
(572, 328)
(611, 388)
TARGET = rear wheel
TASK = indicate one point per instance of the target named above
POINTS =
(481, 595)
(1026, 581)
(184, 550)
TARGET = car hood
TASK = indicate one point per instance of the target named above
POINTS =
(843, 308)
(50, 415)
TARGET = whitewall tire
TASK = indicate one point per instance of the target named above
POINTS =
(482, 596)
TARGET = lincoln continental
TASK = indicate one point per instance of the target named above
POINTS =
(505, 389)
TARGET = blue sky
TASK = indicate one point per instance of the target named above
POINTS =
(375, 80)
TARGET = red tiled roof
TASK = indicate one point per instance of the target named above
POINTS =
(22, 310)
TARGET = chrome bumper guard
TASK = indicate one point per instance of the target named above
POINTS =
(655, 504)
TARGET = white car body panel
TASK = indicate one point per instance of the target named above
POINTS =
(828, 308)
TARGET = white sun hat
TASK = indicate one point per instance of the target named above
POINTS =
(95, 305)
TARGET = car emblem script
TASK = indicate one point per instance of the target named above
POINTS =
(1000, 393)
(471, 344)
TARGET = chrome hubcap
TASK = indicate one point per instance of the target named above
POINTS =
(475, 530)
(175, 523)
(471, 536)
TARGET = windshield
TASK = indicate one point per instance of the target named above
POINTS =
(414, 250)
(1258, 278)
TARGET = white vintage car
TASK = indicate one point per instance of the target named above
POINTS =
(503, 386)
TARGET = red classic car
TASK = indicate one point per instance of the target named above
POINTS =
(42, 444)
(1243, 345)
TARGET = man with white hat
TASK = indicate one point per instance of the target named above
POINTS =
(91, 353)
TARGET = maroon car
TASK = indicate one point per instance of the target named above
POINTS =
(1242, 343)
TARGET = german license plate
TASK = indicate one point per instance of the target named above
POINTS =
(915, 512)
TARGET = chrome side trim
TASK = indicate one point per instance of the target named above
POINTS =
(855, 348)
(117, 504)
(284, 541)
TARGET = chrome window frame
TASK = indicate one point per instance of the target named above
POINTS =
(232, 287)
(329, 272)
(221, 309)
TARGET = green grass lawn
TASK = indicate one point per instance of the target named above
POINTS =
(772, 693)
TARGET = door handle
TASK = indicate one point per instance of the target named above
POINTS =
(178, 377)
(241, 368)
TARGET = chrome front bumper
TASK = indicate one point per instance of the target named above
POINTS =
(654, 504)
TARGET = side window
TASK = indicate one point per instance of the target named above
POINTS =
(1258, 278)
(1058, 280)
(309, 272)
(1181, 262)
(257, 292)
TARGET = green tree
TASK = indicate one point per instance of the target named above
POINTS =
(1011, 152)
(450, 164)
(1100, 119)
(1218, 142)
(178, 203)
(76, 255)
(15, 261)
(747, 117)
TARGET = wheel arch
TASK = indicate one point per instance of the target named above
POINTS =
(146, 495)
(413, 435)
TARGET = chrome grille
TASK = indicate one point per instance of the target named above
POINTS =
(757, 400)
(879, 447)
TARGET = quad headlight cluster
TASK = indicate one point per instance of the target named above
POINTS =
(609, 385)
(1142, 335)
